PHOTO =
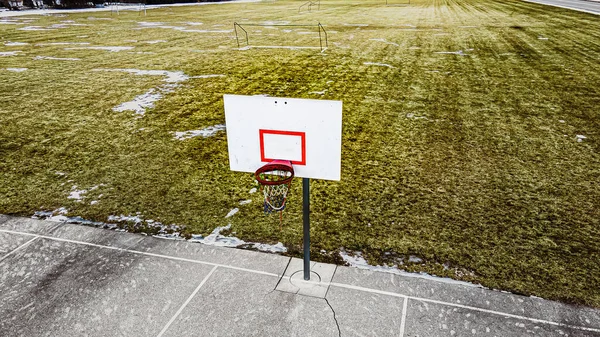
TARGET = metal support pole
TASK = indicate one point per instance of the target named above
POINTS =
(306, 222)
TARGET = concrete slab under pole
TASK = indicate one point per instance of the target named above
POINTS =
(59, 279)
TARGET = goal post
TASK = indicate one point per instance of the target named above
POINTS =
(241, 35)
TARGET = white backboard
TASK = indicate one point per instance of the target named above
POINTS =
(306, 132)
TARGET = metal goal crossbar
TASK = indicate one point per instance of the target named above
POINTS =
(321, 30)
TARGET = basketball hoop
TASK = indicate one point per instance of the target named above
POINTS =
(275, 179)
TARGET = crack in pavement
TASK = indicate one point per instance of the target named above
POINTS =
(334, 318)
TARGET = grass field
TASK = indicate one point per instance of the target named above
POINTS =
(462, 131)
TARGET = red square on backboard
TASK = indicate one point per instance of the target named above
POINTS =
(302, 135)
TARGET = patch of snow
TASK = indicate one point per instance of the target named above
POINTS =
(62, 43)
(123, 218)
(58, 215)
(9, 53)
(232, 212)
(356, 24)
(460, 52)
(378, 64)
(245, 202)
(76, 194)
(412, 116)
(216, 239)
(252, 190)
(206, 132)
(56, 58)
(318, 92)
(197, 24)
(150, 24)
(113, 49)
(32, 28)
(278, 248)
(17, 70)
(155, 41)
(542, 38)
(386, 41)
(356, 260)
(13, 44)
(275, 22)
(207, 76)
(140, 103)
(580, 138)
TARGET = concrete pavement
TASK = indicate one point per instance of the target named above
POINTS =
(588, 6)
(58, 279)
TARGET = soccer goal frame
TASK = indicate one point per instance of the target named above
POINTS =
(310, 4)
(128, 4)
(322, 33)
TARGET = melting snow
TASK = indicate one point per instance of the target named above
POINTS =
(245, 202)
(232, 212)
(62, 43)
(356, 260)
(252, 190)
(386, 41)
(9, 53)
(35, 28)
(378, 64)
(56, 58)
(155, 41)
(140, 103)
(16, 70)
(580, 138)
(206, 132)
(356, 24)
(460, 52)
(216, 239)
(114, 49)
(12, 44)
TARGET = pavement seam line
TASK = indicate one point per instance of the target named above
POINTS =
(17, 249)
(341, 285)
(186, 302)
(403, 319)
(143, 253)
(488, 311)
(334, 318)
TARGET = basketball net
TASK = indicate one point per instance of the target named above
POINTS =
(275, 179)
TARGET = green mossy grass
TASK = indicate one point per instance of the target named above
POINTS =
(469, 162)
